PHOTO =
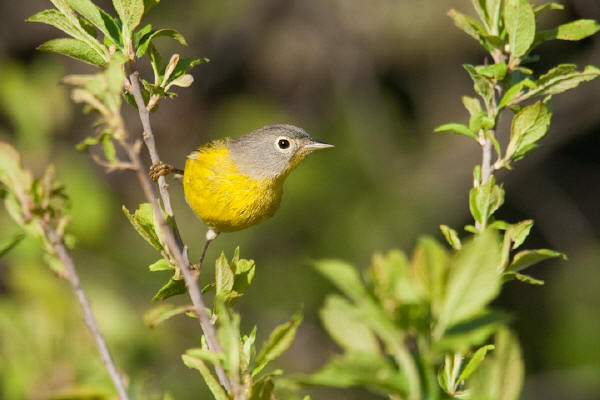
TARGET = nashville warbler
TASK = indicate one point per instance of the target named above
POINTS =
(232, 184)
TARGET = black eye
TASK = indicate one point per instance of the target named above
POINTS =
(283, 143)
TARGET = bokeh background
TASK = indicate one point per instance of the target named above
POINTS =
(374, 78)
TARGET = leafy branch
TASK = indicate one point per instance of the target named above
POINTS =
(124, 44)
(38, 206)
(435, 306)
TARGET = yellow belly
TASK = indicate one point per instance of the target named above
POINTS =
(221, 196)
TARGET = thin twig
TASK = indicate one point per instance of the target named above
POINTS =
(171, 234)
(211, 235)
(88, 316)
(148, 137)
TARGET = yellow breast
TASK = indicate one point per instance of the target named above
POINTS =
(223, 197)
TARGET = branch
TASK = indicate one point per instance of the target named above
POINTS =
(486, 158)
(492, 109)
(170, 235)
(88, 316)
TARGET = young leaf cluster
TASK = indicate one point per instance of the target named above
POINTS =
(507, 30)
(398, 326)
(113, 43)
(38, 205)
(241, 359)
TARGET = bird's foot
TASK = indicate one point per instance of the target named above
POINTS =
(159, 169)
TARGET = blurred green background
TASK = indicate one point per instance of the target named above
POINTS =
(374, 78)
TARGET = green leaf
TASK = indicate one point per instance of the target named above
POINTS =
(479, 6)
(573, 31)
(509, 276)
(457, 128)
(10, 244)
(490, 135)
(279, 340)
(89, 141)
(481, 84)
(373, 372)
(546, 7)
(529, 125)
(215, 388)
(130, 13)
(473, 280)
(474, 331)
(494, 11)
(155, 62)
(430, 268)
(344, 276)
(75, 49)
(205, 355)
(559, 79)
(248, 350)
(157, 315)
(344, 324)
(564, 77)
(514, 92)
(243, 274)
(88, 27)
(228, 333)
(444, 374)
(577, 30)
(472, 104)
(519, 20)
(69, 23)
(390, 275)
(500, 225)
(481, 121)
(474, 362)
(223, 275)
(519, 232)
(471, 27)
(109, 148)
(171, 288)
(527, 258)
(233, 279)
(484, 200)
(12, 175)
(143, 222)
(451, 237)
(494, 71)
(99, 18)
(147, 38)
(500, 375)
(160, 265)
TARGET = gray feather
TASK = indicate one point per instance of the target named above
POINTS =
(257, 154)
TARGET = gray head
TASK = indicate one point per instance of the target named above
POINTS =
(272, 151)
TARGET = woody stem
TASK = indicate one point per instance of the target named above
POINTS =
(88, 316)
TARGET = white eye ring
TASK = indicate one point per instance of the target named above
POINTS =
(283, 144)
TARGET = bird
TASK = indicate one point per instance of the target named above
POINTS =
(233, 184)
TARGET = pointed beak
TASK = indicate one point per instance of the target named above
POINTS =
(314, 145)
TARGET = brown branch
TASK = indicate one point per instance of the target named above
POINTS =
(64, 256)
(171, 235)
